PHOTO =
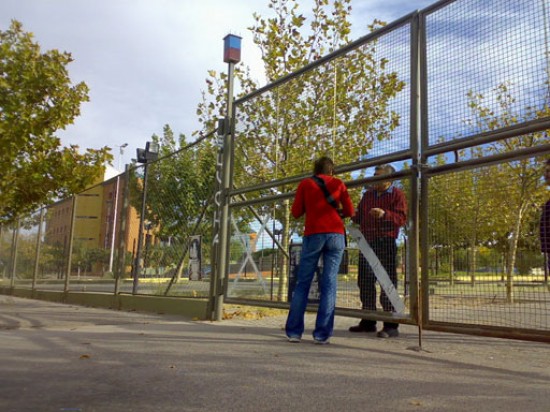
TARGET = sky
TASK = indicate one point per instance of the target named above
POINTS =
(146, 61)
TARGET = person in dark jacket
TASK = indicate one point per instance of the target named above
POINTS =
(381, 212)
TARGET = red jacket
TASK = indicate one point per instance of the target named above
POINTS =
(394, 204)
(321, 217)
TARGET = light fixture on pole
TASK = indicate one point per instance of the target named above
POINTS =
(145, 156)
(120, 153)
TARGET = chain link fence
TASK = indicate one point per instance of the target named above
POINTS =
(91, 242)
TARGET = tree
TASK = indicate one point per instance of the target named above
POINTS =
(179, 184)
(90, 260)
(36, 100)
(463, 205)
(340, 108)
(179, 194)
(523, 176)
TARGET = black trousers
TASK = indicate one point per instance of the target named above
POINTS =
(385, 249)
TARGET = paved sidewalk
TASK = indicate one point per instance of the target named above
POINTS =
(56, 357)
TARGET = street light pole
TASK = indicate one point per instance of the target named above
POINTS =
(149, 154)
(113, 224)
(120, 153)
(232, 55)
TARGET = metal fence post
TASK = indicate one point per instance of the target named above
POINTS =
(121, 263)
(70, 248)
(146, 156)
(232, 55)
(14, 243)
(114, 225)
(138, 264)
(416, 110)
(422, 282)
(38, 248)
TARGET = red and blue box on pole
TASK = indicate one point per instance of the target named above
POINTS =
(231, 49)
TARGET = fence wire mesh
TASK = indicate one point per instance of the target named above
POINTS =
(485, 265)
(90, 242)
(488, 61)
(7, 249)
(176, 255)
(487, 69)
(26, 252)
(55, 244)
(354, 106)
(262, 268)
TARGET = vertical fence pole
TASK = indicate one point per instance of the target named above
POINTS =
(138, 263)
(113, 226)
(14, 243)
(417, 134)
(415, 105)
(38, 248)
(121, 266)
(422, 284)
(232, 55)
(214, 278)
(70, 248)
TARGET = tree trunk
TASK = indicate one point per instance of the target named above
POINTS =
(513, 250)
(512, 261)
(283, 274)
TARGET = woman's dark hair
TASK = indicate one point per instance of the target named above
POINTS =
(323, 166)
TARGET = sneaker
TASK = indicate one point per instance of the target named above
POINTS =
(294, 339)
(363, 328)
(321, 342)
(388, 333)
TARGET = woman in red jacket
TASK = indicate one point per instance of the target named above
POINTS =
(323, 236)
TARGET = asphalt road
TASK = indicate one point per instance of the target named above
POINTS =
(56, 357)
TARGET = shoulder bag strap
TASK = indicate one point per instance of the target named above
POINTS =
(321, 183)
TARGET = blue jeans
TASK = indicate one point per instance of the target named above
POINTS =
(331, 247)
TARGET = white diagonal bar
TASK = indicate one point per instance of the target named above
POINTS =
(248, 258)
(379, 270)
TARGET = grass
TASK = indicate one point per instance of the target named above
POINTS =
(250, 312)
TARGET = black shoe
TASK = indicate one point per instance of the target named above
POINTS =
(363, 328)
(388, 333)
